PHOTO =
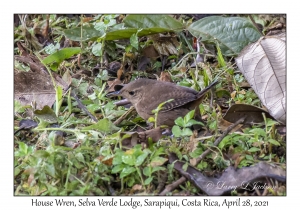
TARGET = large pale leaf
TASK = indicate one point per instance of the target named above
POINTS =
(232, 33)
(264, 66)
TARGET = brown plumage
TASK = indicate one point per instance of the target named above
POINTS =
(146, 94)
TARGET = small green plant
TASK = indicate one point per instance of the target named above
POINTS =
(134, 164)
(182, 127)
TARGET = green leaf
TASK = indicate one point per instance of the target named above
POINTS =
(232, 33)
(97, 49)
(80, 157)
(271, 122)
(253, 149)
(144, 25)
(220, 58)
(179, 121)
(41, 154)
(202, 165)
(249, 157)
(147, 171)
(46, 114)
(130, 181)
(158, 161)
(23, 147)
(176, 131)
(127, 33)
(118, 168)
(18, 107)
(58, 98)
(88, 32)
(104, 125)
(188, 117)
(61, 55)
(140, 159)
(148, 180)
(187, 132)
(272, 141)
(118, 157)
(193, 122)
(126, 171)
(129, 159)
(50, 169)
(152, 21)
(258, 131)
(185, 166)
(134, 41)
(158, 168)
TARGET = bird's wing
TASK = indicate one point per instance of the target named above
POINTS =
(179, 98)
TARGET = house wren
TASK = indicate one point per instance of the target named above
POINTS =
(146, 94)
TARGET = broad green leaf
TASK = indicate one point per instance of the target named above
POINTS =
(140, 159)
(46, 114)
(80, 157)
(258, 131)
(179, 121)
(249, 157)
(134, 41)
(176, 131)
(193, 122)
(147, 171)
(158, 161)
(185, 166)
(253, 149)
(197, 152)
(126, 171)
(118, 157)
(271, 122)
(61, 55)
(152, 21)
(129, 159)
(232, 33)
(104, 125)
(272, 141)
(118, 168)
(188, 117)
(41, 154)
(202, 165)
(144, 25)
(187, 132)
(50, 169)
(158, 152)
(130, 181)
(97, 49)
(88, 32)
(158, 168)
(148, 180)
(23, 147)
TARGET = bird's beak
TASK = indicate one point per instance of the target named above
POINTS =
(117, 92)
(112, 94)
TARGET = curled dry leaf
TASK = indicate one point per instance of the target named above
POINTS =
(264, 66)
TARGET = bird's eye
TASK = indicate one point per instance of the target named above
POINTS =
(131, 93)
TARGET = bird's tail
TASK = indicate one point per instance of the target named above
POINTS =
(202, 92)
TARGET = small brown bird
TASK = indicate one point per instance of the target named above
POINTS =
(146, 94)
